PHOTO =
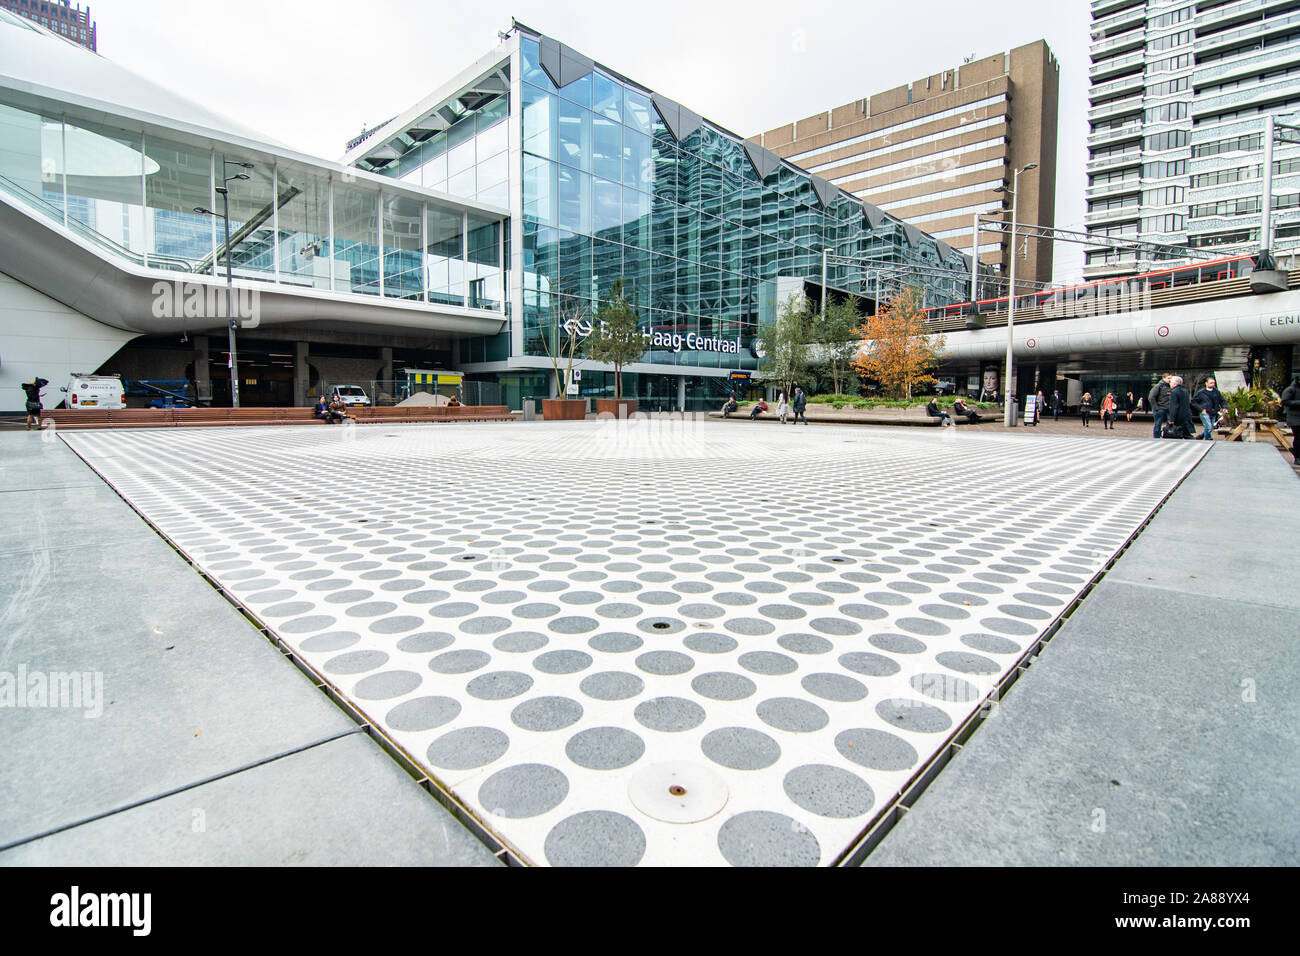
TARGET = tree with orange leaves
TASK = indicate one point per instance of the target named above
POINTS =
(896, 349)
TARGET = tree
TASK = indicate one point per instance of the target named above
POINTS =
(837, 335)
(561, 331)
(616, 338)
(784, 342)
(896, 350)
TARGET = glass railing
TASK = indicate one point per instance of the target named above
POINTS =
(1251, 31)
(55, 214)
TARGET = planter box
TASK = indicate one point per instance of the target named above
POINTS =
(617, 407)
(564, 409)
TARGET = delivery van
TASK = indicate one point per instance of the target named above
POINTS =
(94, 391)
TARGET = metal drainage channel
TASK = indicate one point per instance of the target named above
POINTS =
(876, 831)
(447, 800)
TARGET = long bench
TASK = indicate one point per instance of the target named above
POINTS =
(199, 417)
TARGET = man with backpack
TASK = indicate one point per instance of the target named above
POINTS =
(33, 390)
(1158, 399)
(799, 404)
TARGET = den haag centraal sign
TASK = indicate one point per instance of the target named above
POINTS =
(658, 341)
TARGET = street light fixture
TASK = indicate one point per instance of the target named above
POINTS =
(224, 190)
(1008, 384)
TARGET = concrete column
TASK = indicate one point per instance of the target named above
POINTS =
(301, 375)
(681, 393)
(202, 381)
(386, 371)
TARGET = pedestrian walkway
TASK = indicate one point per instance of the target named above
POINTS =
(192, 740)
(1160, 726)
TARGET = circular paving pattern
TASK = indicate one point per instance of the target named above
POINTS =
(542, 613)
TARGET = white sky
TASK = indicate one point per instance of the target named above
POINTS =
(313, 72)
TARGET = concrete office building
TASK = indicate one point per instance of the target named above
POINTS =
(1179, 93)
(57, 16)
(932, 151)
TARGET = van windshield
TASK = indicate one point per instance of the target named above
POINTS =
(351, 391)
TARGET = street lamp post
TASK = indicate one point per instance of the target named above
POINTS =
(224, 189)
(1008, 384)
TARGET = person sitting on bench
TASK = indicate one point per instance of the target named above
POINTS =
(971, 416)
(934, 412)
(759, 406)
(729, 407)
(338, 411)
(323, 411)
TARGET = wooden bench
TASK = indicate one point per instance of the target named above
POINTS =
(199, 417)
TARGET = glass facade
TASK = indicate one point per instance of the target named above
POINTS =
(134, 195)
(697, 238)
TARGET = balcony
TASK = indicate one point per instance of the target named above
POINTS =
(1251, 31)
(1116, 65)
(1119, 214)
(1135, 16)
(1114, 161)
(1134, 82)
(1234, 11)
(1119, 134)
(1101, 8)
(1130, 104)
(1245, 63)
(1102, 190)
(1132, 40)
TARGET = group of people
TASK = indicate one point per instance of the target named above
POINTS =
(784, 407)
(332, 411)
(1172, 406)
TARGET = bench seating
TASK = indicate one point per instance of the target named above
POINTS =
(198, 417)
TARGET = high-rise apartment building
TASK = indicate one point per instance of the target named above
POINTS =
(933, 151)
(1180, 91)
(58, 16)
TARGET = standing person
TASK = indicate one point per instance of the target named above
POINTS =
(1108, 411)
(782, 406)
(1056, 405)
(33, 390)
(1291, 403)
(1180, 409)
(1208, 403)
(800, 403)
(1158, 399)
(1038, 407)
(1085, 407)
(1128, 406)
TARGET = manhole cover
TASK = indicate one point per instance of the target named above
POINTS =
(678, 792)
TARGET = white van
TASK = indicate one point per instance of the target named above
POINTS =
(94, 391)
(350, 395)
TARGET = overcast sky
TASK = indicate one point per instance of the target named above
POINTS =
(312, 73)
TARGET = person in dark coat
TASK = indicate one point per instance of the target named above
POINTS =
(33, 390)
(1208, 403)
(1291, 403)
(1057, 405)
(959, 407)
(799, 404)
(1180, 407)
(1158, 399)
(933, 411)
(1085, 407)
(1129, 405)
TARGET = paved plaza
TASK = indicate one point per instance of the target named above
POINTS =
(651, 642)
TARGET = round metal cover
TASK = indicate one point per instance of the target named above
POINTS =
(678, 792)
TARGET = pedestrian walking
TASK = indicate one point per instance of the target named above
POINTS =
(1208, 403)
(782, 406)
(1038, 407)
(1085, 407)
(33, 390)
(800, 403)
(1179, 424)
(1108, 411)
(1057, 405)
(1291, 403)
(1158, 399)
(1128, 406)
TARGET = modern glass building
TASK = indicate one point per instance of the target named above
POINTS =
(607, 180)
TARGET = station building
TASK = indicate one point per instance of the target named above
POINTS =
(448, 239)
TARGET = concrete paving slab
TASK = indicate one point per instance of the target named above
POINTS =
(33, 461)
(1158, 727)
(342, 803)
